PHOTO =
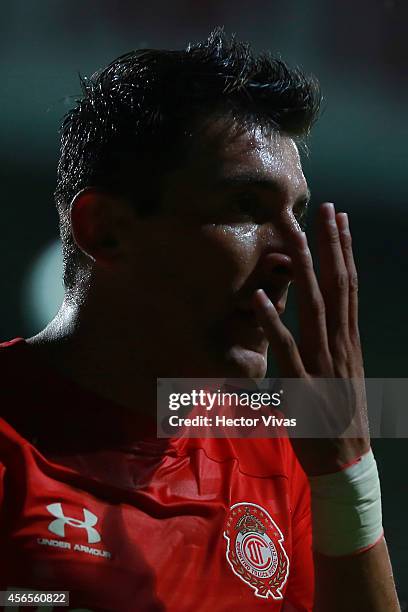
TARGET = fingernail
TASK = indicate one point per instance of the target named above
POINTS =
(262, 298)
(329, 212)
(342, 222)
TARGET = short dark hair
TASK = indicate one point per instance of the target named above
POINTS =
(142, 103)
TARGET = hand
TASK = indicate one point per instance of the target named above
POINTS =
(329, 346)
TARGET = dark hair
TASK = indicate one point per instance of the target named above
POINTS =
(143, 103)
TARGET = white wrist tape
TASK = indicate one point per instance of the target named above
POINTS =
(346, 508)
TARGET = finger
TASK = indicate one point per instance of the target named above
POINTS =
(312, 316)
(333, 277)
(282, 342)
(346, 244)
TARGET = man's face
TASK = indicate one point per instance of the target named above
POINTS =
(223, 231)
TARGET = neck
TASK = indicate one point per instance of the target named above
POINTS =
(100, 355)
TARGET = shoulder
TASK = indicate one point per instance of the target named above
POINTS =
(20, 388)
(13, 360)
(11, 351)
(13, 373)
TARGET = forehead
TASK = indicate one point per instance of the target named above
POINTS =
(224, 152)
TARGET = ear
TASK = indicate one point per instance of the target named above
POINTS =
(101, 224)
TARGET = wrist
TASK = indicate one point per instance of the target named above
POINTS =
(346, 508)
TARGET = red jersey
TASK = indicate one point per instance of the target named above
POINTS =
(126, 522)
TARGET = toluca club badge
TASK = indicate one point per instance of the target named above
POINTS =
(255, 549)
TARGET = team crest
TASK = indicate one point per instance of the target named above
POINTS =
(254, 549)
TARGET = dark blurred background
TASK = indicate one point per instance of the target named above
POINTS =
(358, 152)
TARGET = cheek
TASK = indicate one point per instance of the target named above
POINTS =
(199, 267)
(231, 251)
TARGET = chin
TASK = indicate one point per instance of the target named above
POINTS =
(246, 363)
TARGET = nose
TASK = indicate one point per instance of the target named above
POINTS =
(276, 266)
(274, 277)
(273, 274)
(274, 254)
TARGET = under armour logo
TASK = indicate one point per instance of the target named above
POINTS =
(58, 526)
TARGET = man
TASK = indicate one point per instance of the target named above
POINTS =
(181, 195)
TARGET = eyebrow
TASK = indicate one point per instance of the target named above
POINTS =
(260, 182)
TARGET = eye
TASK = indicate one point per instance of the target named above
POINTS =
(245, 206)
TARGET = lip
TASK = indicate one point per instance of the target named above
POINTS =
(243, 328)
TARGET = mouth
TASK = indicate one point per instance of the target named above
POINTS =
(242, 326)
(243, 331)
(277, 297)
(248, 317)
